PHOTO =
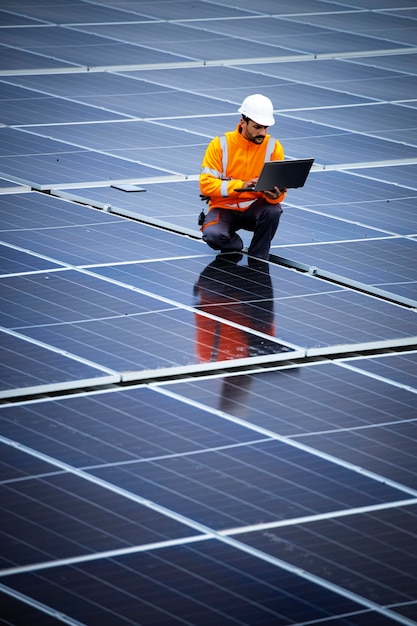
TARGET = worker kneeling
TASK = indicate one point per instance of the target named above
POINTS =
(234, 161)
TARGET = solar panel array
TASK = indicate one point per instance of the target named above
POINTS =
(187, 439)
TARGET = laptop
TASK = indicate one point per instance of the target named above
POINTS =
(282, 174)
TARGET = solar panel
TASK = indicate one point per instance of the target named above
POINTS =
(189, 438)
(388, 263)
(335, 548)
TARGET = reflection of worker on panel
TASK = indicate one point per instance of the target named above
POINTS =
(241, 294)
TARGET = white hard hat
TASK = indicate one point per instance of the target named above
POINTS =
(259, 109)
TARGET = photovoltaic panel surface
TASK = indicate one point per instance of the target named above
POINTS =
(264, 470)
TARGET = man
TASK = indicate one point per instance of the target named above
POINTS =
(234, 161)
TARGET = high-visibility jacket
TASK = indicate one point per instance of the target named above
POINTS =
(229, 161)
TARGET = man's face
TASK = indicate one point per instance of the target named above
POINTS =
(253, 132)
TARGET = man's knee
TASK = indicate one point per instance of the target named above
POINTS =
(213, 238)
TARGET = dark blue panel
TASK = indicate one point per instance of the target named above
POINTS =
(389, 451)
(87, 519)
(151, 341)
(401, 368)
(206, 584)
(396, 62)
(376, 262)
(387, 121)
(126, 426)
(298, 401)
(89, 86)
(127, 135)
(9, 186)
(319, 318)
(10, 19)
(359, 199)
(14, 59)
(357, 21)
(178, 10)
(68, 296)
(38, 210)
(13, 261)
(342, 318)
(18, 613)
(24, 364)
(325, 72)
(224, 281)
(17, 143)
(104, 243)
(16, 465)
(335, 146)
(78, 12)
(401, 175)
(157, 202)
(64, 165)
(373, 553)
(47, 110)
(190, 43)
(250, 484)
(166, 104)
(339, 43)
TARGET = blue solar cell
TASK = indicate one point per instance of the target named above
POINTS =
(61, 297)
(401, 175)
(343, 42)
(88, 519)
(79, 12)
(104, 243)
(38, 210)
(52, 110)
(239, 486)
(12, 59)
(16, 610)
(190, 43)
(324, 72)
(121, 136)
(231, 283)
(16, 261)
(388, 450)
(64, 164)
(89, 86)
(151, 341)
(25, 365)
(367, 22)
(10, 19)
(352, 552)
(204, 583)
(387, 121)
(350, 317)
(343, 148)
(149, 426)
(182, 9)
(396, 62)
(155, 204)
(400, 368)
(297, 401)
(16, 464)
(377, 262)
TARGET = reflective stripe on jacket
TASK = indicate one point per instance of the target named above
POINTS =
(229, 161)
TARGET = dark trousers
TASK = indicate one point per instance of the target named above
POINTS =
(261, 218)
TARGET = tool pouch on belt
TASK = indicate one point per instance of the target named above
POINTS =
(202, 215)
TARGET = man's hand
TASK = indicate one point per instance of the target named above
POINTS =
(275, 193)
(250, 183)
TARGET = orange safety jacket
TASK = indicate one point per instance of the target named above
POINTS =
(229, 161)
